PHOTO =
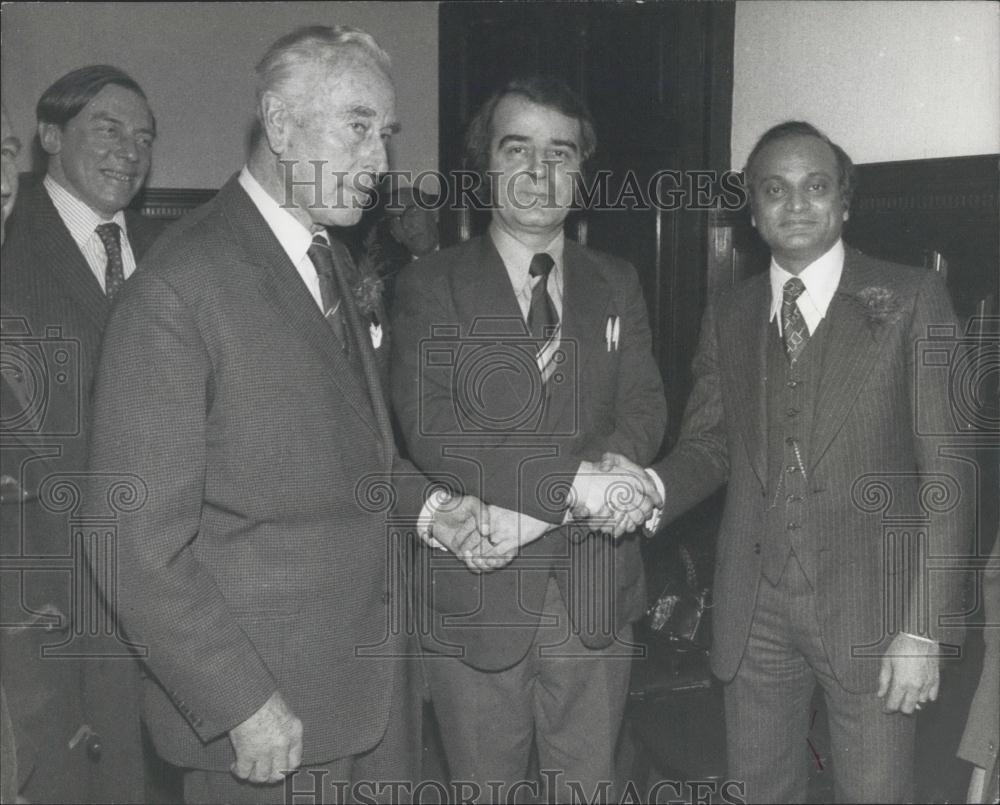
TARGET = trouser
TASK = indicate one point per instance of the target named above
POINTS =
(569, 698)
(767, 710)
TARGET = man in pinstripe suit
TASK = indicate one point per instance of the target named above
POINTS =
(810, 401)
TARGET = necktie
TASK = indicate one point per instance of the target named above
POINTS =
(793, 326)
(329, 287)
(114, 273)
(542, 316)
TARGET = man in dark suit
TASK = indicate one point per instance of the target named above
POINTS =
(70, 246)
(812, 402)
(239, 394)
(10, 147)
(520, 357)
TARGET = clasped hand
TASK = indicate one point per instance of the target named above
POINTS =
(618, 495)
(484, 537)
(614, 496)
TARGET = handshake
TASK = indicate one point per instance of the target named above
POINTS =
(613, 496)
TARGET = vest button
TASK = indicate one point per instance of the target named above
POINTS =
(792, 412)
(792, 384)
(756, 548)
(793, 498)
(793, 526)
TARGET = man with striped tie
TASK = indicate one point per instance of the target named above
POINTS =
(70, 246)
(519, 358)
(822, 398)
(241, 383)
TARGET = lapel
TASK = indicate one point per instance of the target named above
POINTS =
(485, 300)
(852, 347)
(60, 257)
(743, 353)
(369, 361)
(587, 302)
(282, 287)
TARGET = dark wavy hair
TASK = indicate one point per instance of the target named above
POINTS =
(539, 89)
(64, 100)
(799, 128)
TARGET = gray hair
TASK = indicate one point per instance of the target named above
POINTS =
(314, 45)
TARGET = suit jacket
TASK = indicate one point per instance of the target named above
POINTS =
(259, 558)
(474, 413)
(879, 420)
(55, 307)
(981, 738)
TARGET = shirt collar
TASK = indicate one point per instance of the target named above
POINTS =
(294, 238)
(821, 278)
(517, 257)
(79, 217)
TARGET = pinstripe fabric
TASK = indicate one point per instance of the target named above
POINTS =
(47, 281)
(258, 563)
(863, 427)
(768, 719)
(864, 431)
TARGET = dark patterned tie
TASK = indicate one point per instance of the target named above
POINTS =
(793, 326)
(333, 310)
(114, 273)
(542, 316)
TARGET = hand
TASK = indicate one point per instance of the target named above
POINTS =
(268, 744)
(909, 675)
(462, 525)
(511, 532)
(620, 495)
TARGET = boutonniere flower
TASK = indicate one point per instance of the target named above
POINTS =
(881, 305)
(370, 285)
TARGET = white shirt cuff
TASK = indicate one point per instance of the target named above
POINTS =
(653, 522)
(425, 520)
(581, 488)
(920, 637)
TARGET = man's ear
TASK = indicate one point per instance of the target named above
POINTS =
(50, 136)
(276, 120)
(847, 213)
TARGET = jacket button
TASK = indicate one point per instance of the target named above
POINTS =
(793, 526)
(756, 548)
(94, 747)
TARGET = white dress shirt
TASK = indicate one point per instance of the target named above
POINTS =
(821, 278)
(516, 258)
(294, 238)
(82, 223)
